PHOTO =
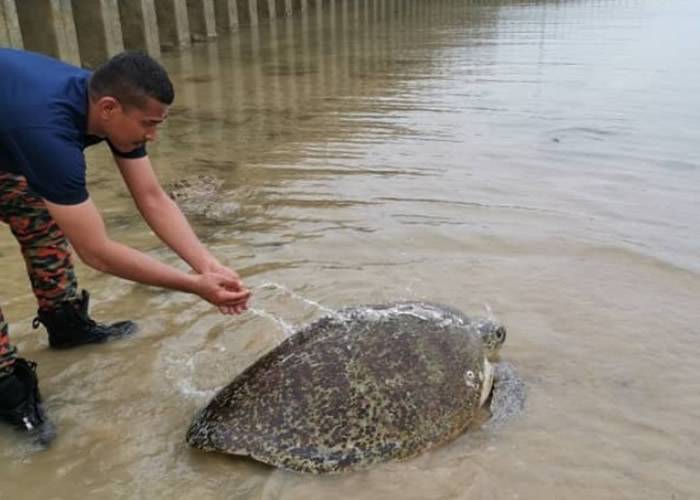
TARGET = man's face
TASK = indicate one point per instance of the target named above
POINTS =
(130, 127)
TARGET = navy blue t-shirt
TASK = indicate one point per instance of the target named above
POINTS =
(43, 122)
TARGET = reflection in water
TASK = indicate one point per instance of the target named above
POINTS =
(538, 156)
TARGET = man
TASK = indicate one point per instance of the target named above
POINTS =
(49, 113)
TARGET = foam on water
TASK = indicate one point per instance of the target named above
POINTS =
(287, 329)
(181, 370)
(372, 313)
(291, 293)
(424, 312)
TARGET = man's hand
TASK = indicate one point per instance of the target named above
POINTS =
(234, 285)
(165, 218)
(85, 230)
(223, 291)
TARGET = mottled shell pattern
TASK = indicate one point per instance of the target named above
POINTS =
(361, 386)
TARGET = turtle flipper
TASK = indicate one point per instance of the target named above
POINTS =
(508, 396)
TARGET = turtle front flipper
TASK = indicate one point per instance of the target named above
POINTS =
(508, 395)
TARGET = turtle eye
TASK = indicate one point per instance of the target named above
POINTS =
(501, 333)
(470, 375)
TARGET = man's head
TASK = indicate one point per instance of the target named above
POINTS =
(129, 97)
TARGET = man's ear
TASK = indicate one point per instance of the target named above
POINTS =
(107, 106)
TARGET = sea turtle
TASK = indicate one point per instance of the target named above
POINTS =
(357, 387)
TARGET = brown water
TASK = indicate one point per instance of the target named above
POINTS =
(537, 157)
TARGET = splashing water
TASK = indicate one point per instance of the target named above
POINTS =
(287, 329)
(424, 312)
(293, 294)
(186, 385)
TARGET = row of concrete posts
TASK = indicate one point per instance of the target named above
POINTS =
(87, 32)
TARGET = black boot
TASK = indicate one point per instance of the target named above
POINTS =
(69, 325)
(20, 402)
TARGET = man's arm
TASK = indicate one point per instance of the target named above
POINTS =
(166, 219)
(163, 215)
(85, 229)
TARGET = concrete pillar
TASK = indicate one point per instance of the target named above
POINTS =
(307, 68)
(258, 92)
(248, 12)
(140, 26)
(236, 111)
(267, 9)
(173, 23)
(10, 34)
(202, 20)
(300, 5)
(284, 8)
(332, 66)
(273, 98)
(48, 27)
(293, 81)
(99, 30)
(226, 15)
(307, 79)
(344, 49)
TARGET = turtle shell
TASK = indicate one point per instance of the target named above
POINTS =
(362, 386)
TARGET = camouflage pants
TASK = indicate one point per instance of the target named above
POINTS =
(44, 247)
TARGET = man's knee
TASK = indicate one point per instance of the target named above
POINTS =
(37, 229)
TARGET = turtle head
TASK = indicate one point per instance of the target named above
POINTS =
(492, 334)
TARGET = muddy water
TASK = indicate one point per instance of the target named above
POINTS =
(537, 157)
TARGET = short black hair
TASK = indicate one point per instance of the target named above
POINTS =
(131, 77)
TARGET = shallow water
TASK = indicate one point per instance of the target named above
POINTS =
(536, 157)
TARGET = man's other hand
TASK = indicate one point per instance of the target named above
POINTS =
(214, 266)
(224, 291)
